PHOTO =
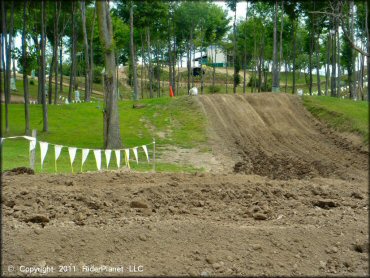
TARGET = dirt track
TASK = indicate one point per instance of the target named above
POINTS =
(286, 204)
(273, 135)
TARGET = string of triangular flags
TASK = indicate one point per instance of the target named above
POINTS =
(44, 146)
(64, 99)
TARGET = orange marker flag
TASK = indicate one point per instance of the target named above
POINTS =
(171, 92)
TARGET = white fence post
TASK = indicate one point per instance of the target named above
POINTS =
(33, 152)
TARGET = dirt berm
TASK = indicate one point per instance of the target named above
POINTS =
(292, 200)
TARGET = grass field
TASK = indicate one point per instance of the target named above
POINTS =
(175, 122)
(342, 114)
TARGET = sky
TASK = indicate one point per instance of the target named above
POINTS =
(240, 9)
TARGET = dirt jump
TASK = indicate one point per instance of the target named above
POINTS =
(291, 198)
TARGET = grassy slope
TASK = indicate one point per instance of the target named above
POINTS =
(80, 125)
(342, 114)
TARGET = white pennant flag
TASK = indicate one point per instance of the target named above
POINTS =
(44, 149)
(57, 149)
(145, 151)
(118, 157)
(97, 155)
(127, 157)
(32, 144)
(85, 153)
(72, 155)
(107, 156)
(134, 150)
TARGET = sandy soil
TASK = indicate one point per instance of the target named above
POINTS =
(291, 200)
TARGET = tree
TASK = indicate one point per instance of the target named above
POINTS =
(25, 71)
(112, 135)
(232, 5)
(133, 57)
(275, 65)
(291, 10)
(72, 77)
(43, 40)
(87, 60)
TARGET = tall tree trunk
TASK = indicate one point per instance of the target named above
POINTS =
(227, 73)
(50, 88)
(234, 53)
(61, 66)
(87, 58)
(275, 69)
(25, 70)
(327, 73)
(192, 49)
(178, 75)
(55, 49)
(351, 64)
(169, 56)
(1, 85)
(159, 72)
(132, 49)
(43, 40)
(112, 134)
(188, 62)
(173, 63)
(149, 63)
(317, 46)
(310, 55)
(9, 50)
(3, 43)
(39, 71)
(361, 76)
(72, 77)
(281, 41)
(255, 68)
(368, 48)
(333, 63)
(201, 67)
(6, 85)
(142, 67)
(214, 70)
(245, 53)
(294, 55)
(286, 75)
(338, 59)
(262, 63)
(92, 52)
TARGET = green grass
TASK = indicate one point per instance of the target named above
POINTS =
(342, 114)
(176, 122)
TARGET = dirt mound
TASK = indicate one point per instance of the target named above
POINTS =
(185, 224)
(273, 135)
(20, 171)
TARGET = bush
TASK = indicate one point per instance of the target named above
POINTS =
(214, 89)
(66, 69)
(98, 78)
(32, 82)
(264, 88)
(252, 80)
(237, 79)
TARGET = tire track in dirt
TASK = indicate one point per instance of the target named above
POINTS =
(273, 135)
